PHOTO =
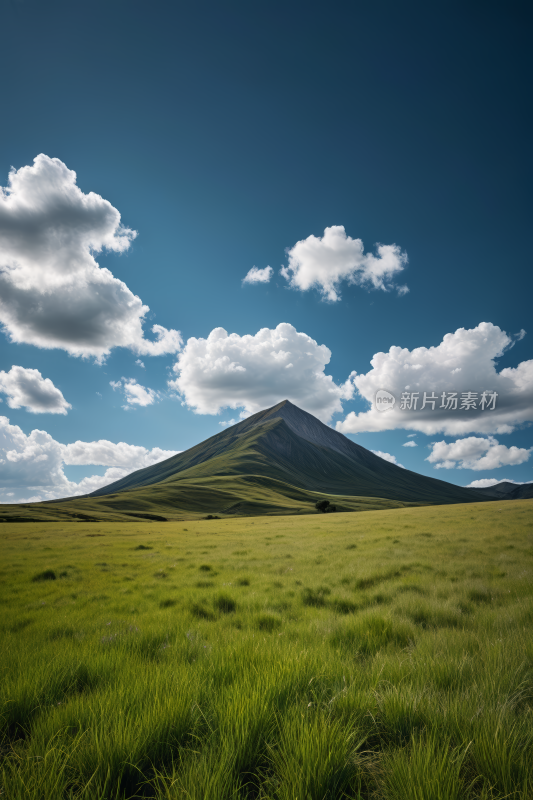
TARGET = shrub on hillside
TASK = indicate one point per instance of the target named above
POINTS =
(325, 506)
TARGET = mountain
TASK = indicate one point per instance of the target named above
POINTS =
(292, 446)
(507, 491)
(278, 461)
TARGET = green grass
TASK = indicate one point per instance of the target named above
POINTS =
(269, 658)
(181, 499)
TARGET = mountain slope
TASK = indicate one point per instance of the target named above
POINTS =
(289, 445)
(279, 461)
(249, 495)
(507, 491)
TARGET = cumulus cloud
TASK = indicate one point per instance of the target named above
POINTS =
(32, 466)
(463, 362)
(484, 483)
(109, 454)
(140, 363)
(476, 453)
(387, 457)
(323, 263)
(255, 372)
(53, 294)
(135, 393)
(410, 444)
(256, 275)
(26, 388)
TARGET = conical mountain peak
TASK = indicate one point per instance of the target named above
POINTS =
(309, 428)
(288, 445)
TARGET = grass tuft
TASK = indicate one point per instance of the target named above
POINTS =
(169, 602)
(315, 597)
(199, 610)
(46, 575)
(371, 632)
(343, 606)
(225, 604)
(429, 769)
(268, 622)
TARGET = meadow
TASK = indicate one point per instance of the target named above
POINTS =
(384, 655)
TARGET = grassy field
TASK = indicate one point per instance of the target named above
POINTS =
(381, 654)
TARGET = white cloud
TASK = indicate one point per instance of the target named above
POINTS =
(109, 454)
(135, 393)
(26, 388)
(256, 275)
(53, 294)
(484, 483)
(35, 463)
(387, 457)
(410, 444)
(476, 453)
(463, 362)
(410, 435)
(31, 462)
(255, 372)
(323, 263)
(140, 363)
(228, 423)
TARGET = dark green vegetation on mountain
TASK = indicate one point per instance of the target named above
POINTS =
(332, 657)
(279, 461)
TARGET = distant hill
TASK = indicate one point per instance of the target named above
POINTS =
(507, 491)
(278, 461)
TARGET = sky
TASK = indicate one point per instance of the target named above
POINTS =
(209, 207)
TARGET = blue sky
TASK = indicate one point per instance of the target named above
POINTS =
(225, 135)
